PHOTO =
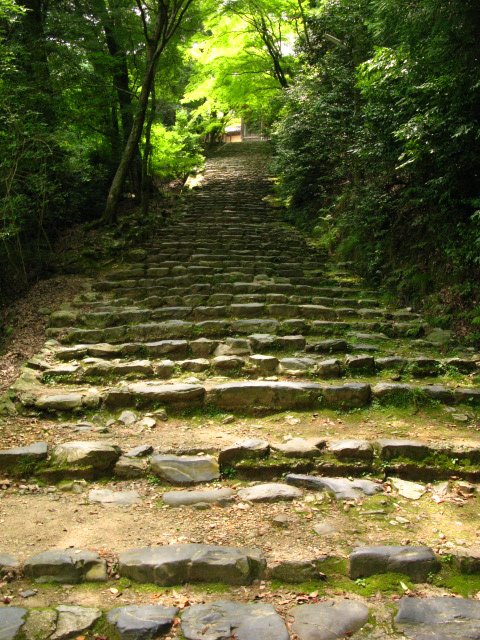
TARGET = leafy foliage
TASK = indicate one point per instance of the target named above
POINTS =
(378, 144)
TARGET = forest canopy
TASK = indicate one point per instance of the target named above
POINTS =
(371, 106)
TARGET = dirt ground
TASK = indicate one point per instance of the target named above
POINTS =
(28, 318)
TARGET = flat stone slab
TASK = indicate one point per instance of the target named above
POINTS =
(351, 450)
(68, 567)
(180, 563)
(106, 496)
(100, 456)
(265, 395)
(11, 621)
(396, 448)
(19, 456)
(297, 448)
(415, 562)
(225, 619)
(248, 449)
(186, 498)
(141, 622)
(73, 620)
(439, 618)
(147, 393)
(270, 492)
(341, 488)
(329, 620)
(185, 469)
(407, 489)
(7, 563)
(348, 396)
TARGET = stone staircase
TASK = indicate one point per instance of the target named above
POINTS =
(225, 406)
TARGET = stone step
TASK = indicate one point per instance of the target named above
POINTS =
(436, 618)
(242, 396)
(223, 327)
(250, 310)
(196, 300)
(252, 459)
(237, 359)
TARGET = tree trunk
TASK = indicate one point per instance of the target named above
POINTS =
(147, 152)
(110, 214)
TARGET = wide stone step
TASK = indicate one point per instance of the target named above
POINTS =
(253, 459)
(197, 300)
(222, 327)
(248, 397)
(236, 358)
(435, 618)
(418, 563)
(116, 317)
(176, 564)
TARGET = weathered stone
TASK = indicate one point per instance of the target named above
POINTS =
(227, 363)
(347, 396)
(269, 492)
(467, 560)
(406, 489)
(329, 620)
(298, 448)
(331, 368)
(141, 622)
(265, 365)
(461, 364)
(11, 622)
(74, 620)
(296, 570)
(341, 488)
(328, 346)
(399, 448)
(59, 402)
(176, 564)
(99, 456)
(254, 395)
(423, 367)
(467, 395)
(106, 496)
(390, 362)
(8, 563)
(297, 364)
(439, 392)
(203, 347)
(392, 392)
(439, 618)
(196, 365)
(362, 363)
(249, 449)
(352, 450)
(69, 566)
(150, 393)
(415, 562)
(233, 347)
(40, 624)
(127, 418)
(223, 619)
(186, 498)
(23, 457)
(130, 468)
(324, 528)
(254, 326)
(139, 452)
(185, 469)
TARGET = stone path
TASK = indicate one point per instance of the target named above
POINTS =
(251, 416)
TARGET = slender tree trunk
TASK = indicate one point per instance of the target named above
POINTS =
(146, 177)
(110, 215)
